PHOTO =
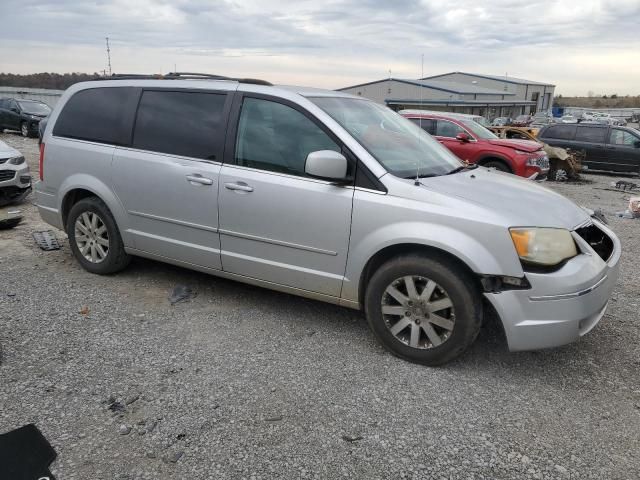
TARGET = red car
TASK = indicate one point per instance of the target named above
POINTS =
(472, 142)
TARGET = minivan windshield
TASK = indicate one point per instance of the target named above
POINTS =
(35, 108)
(401, 147)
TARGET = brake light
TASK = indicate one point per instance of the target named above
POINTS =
(41, 161)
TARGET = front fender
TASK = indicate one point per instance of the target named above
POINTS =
(471, 250)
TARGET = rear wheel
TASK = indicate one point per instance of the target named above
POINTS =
(423, 310)
(94, 237)
(498, 165)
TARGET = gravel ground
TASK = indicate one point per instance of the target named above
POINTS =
(241, 382)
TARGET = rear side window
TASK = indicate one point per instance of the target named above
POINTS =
(561, 132)
(100, 115)
(426, 124)
(591, 134)
(190, 124)
(622, 137)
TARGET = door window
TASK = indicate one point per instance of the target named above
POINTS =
(12, 105)
(426, 124)
(190, 124)
(278, 138)
(561, 132)
(623, 138)
(445, 128)
(590, 134)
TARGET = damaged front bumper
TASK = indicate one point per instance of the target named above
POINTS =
(561, 306)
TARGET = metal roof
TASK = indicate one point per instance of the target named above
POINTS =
(500, 78)
(450, 87)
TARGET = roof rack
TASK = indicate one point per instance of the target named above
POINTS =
(183, 76)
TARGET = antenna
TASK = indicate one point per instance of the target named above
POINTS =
(108, 56)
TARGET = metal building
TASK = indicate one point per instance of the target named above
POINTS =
(490, 96)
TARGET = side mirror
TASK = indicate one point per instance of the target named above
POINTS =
(463, 137)
(327, 165)
(15, 110)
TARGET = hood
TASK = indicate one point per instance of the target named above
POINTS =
(524, 145)
(8, 152)
(523, 203)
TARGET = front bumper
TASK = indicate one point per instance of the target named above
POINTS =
(15, 182)
(561, 306)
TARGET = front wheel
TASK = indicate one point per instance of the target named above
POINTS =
(24, 129)
(423, 310)
(498, 165)
(94, 237)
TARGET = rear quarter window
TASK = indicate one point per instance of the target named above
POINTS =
(590, 134)
(560, 132)
(103, 115)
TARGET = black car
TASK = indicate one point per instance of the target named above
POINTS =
(609, 148)
(22, 115)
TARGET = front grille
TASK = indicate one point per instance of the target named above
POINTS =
(599, 241)
(543, 162)
(7, 175)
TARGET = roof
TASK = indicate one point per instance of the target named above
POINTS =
(450, 87)
(500, 78)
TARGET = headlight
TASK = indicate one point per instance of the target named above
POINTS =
(16, 160)
(543, 246)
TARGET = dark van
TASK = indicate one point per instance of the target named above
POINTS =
(609, 148)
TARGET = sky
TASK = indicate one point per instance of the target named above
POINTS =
(580, 46)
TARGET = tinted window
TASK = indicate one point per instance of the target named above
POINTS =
(3, 103)
(591, 134)
(427, 125)
(448, 129)
(99, 115)
(561, 132)
(273, 136)
(622, 137)
(189, 124)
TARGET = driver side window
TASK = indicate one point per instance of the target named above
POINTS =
(448, 129)
(623, 138)
(277, 138)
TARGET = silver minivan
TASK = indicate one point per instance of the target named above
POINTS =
(324, 195)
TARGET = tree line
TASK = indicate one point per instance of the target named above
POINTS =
(604, 101)
(56, 81)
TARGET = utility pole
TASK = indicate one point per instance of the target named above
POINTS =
(108, 56)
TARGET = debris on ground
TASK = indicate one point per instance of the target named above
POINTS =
(633, 211)
(181, 293)
(84, 311)
(351, 438)
(46, 240)
(624, 185)
(9, 218)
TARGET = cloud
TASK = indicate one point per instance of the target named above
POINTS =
(331, 43)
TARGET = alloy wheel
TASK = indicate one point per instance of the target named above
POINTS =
(92, 237)
(418, 312)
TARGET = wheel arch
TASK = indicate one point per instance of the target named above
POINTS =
(80, 186)
(489, 157)
(403, 249)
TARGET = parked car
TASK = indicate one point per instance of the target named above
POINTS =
(22, 115)
(460, 116)
(325, 195)
(541, 118)
(608, 148)
(587, 115)
(522, 121)
(568, 119)
(475, 144)
(15, 179)
(501, 122)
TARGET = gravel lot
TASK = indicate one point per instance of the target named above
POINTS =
(242, 382)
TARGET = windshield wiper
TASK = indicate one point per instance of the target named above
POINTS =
(462, 167)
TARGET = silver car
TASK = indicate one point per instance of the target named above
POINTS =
(15, 179)
(324, 195)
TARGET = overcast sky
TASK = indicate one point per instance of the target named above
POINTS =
(579, 45)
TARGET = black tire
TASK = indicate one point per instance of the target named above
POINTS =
(454, 281)
(498, 165)
(116, 258)
(24, 129)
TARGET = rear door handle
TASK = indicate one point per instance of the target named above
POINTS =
(240, 186)
(196, 178)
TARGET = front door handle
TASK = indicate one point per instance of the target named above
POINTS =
(240, 186)
(196, 178)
